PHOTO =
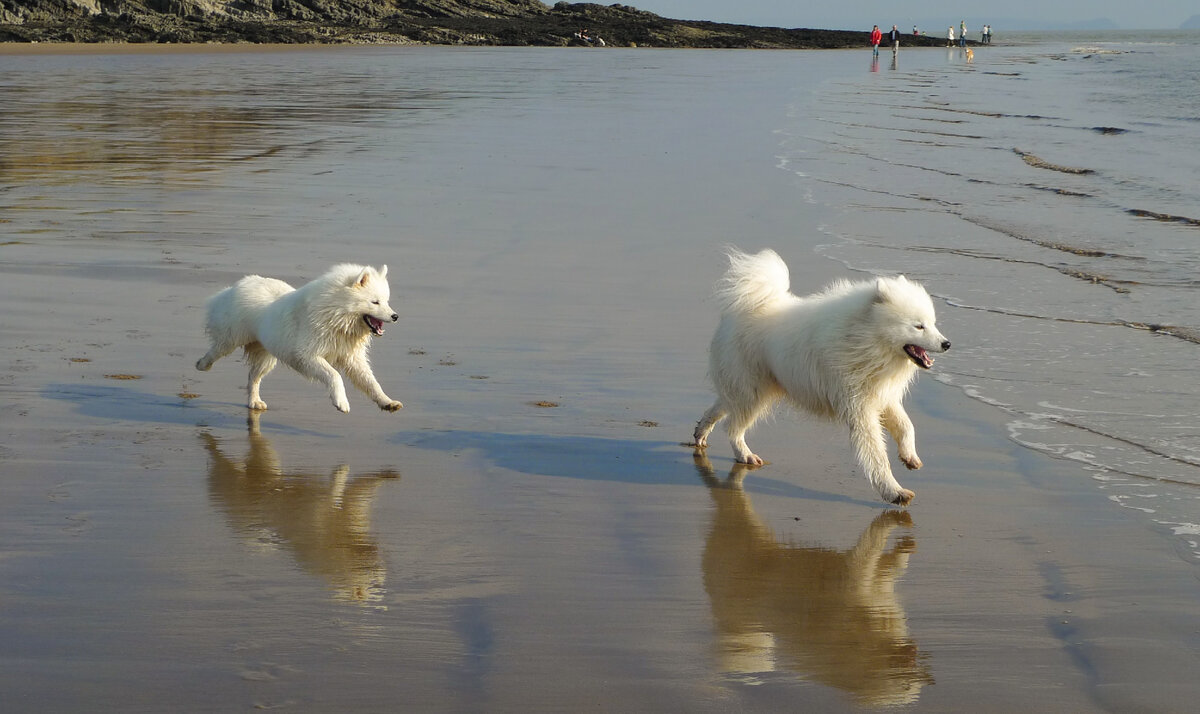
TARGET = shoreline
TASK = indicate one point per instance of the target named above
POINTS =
(476, 551)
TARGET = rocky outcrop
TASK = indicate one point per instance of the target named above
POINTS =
(473, 22)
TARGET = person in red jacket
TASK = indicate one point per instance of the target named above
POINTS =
(876, 36)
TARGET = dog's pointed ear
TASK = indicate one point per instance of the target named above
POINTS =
(882, 290)
(363, 278)
(383, 271)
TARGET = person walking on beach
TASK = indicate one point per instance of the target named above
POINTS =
(950, 37)
(894, 36)
(876, 36)
(962, 34)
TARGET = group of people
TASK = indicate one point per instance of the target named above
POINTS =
(893, 39)
(985, 35)
(586, 35)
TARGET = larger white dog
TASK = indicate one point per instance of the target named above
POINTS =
(318, 330)
(848, 353)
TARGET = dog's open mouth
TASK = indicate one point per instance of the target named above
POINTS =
(919, 355)
(374, 324)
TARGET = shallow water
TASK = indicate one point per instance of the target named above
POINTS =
(527, 534)
(1048, 194)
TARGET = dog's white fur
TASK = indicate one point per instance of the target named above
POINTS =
(847, 353)
(318, 330)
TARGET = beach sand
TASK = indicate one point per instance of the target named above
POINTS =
(528, 534)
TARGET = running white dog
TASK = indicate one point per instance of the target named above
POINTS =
(317, 330)
(848, 353)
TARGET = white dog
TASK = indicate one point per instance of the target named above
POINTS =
(848, 353)
(317, 330)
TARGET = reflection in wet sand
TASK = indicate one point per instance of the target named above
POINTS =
(832, 616)
(324, 522)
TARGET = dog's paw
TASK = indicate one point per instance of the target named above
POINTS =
(392, 406)
(904, 498)
(203, 364)
(912, 461)
(343, 407)
(257, 405)
(751, 460)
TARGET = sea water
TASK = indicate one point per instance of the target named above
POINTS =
(1048, 193)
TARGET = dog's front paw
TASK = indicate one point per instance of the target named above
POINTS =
(904, 498)
(342, 406)
(912, 461)
(751, 460)
(392, 406)
(257, 405)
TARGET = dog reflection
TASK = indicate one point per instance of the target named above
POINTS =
(324, 522)
(830, 615)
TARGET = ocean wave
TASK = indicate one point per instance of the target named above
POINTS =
(1179, 332)
(1166, 217)
(1041, 163)
(1059, 191)
(1096, 51)
(1052, 245)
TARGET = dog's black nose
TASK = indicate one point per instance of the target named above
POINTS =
(945, 345)
(397, 317)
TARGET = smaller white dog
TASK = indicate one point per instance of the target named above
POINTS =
(318, 330)
(848, 353)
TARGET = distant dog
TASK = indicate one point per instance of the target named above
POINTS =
(970, 55)
(848, 353)
(318, 330)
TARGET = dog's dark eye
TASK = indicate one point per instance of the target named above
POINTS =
(374, 302)
(919, 327)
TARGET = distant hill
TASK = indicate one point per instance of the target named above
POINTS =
(447, 22)
(1192, 23)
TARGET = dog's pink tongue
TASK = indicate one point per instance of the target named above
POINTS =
(918, 353)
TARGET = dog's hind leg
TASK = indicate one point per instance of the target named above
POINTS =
(261, 363)
(705, 426)
(866, 434)
(216, 352)
(359, 372)
(740, 421)
(896, 420)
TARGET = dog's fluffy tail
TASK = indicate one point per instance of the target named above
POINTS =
(752, 281)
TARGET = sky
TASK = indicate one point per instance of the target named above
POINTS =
(856, 14)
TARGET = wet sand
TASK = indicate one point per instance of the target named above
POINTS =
(528, 534)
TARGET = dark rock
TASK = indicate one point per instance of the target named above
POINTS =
(446, 22)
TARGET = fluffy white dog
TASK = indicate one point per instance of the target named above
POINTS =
(848, 353)
(318, 330)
